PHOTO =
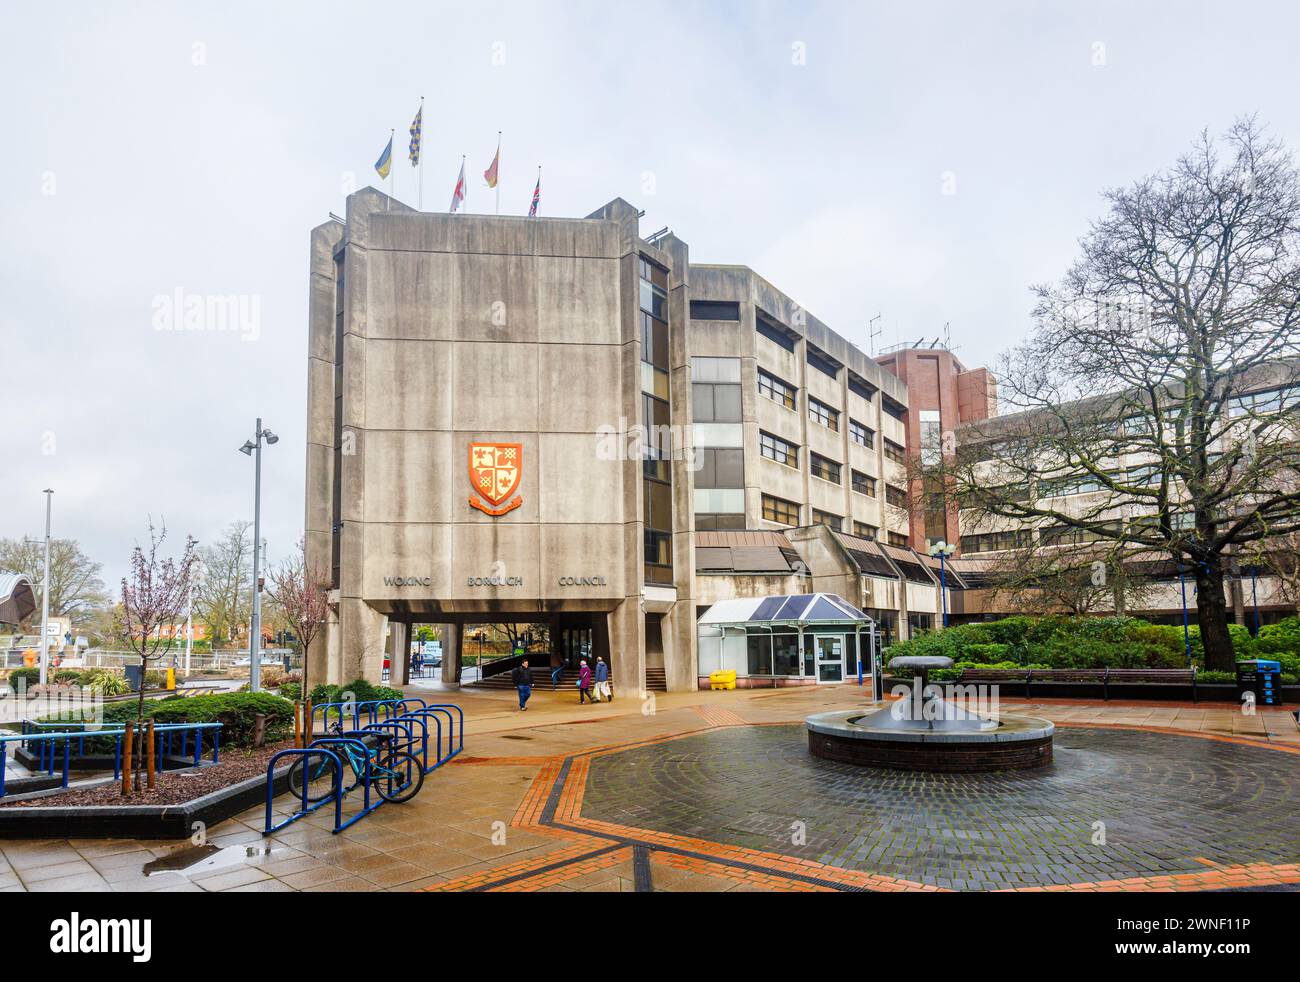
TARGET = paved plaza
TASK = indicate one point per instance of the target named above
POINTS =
(716, 791)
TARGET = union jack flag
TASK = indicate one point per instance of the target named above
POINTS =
(537, 197)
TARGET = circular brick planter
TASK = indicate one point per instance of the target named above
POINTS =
(1018, 743)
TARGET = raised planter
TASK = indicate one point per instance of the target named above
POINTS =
(137, 821)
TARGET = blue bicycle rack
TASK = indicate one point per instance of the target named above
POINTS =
(388, 720)
(307, 806)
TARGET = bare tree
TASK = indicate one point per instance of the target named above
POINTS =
(300, 594)
(154, 594)
(1158, 385)
(1057, 578)
(75, 586)
(223, 596)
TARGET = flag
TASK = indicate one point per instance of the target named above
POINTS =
(458, 196)
(416, 126)
(537, 197)
(490, 175)
(385, 162)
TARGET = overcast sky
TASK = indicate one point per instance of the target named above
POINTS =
(151, 148)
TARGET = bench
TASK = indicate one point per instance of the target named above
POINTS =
(1104, 676)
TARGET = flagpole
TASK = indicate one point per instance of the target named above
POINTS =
(498, 172)
(464, 202)
(392, 178)
(420, 199)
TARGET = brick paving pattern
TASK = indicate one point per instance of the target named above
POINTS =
(1170, 804)
(697, 791)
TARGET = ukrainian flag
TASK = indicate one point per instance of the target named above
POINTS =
(385, 162)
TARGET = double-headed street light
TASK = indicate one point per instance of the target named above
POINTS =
(253, 448)
(943, 550)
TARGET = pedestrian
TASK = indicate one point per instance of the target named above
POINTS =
(556, 672)
(584, 683)
(522, 677)
(417, 663)
(603, 691)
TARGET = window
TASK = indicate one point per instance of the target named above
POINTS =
(822, 363)
(785, 654)
(996, 541)
(895, 452)
(861, 387)
(898, 539)
(863, 484)
(715, 402)
(774, 332)
(780, 510)
(760, 652)
(776, 390)
(715, 310)
(720, 468)
(824, 468)
(820, 517)
(824, 414)
(861, 434)
(774, 448)
(1259, 403)
(865, 531)
(931, 438)
(711, 522)
(895, 496)
(893, 408)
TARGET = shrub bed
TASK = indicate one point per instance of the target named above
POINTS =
(235, 711)
(1094, 642)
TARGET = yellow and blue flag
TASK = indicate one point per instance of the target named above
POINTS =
(417, 125)
(385, 162)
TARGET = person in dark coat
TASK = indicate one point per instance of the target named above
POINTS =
(522, 677)
(584, 683)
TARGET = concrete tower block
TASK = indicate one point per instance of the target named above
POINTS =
(361, 641)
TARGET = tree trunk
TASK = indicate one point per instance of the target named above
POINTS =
(1212, 615)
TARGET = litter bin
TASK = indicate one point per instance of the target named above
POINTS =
(134, 676)
(1261, 677)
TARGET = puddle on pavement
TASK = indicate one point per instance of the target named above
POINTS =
(194, 860)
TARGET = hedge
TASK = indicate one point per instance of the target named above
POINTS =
(1096, 642)
(360, 690)
(235, 711)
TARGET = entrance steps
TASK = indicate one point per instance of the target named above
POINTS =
(655, 680)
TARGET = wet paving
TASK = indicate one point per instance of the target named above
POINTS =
(1114, 804)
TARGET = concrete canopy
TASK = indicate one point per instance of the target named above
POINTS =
(17, 599)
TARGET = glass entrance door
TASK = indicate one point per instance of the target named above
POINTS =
(829, 651)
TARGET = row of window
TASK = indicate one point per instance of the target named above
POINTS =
(787, 513)
(995, 541)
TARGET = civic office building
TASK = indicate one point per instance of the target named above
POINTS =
(556, 420)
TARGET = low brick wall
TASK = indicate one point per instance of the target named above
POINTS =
(946, 757)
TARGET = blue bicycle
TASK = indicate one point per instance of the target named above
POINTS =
(396, 776)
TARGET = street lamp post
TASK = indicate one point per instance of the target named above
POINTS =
(943, 550)
(1187, 635)
(45, 593)
(253, 448)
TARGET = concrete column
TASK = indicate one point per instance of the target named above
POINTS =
(361, 641)
(451, 648)
(681, 658)
(627, 646)
(399, 655)
(316, 659)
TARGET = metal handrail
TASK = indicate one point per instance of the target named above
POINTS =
(47, 745)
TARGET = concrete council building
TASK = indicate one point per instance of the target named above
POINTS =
(556, 420)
